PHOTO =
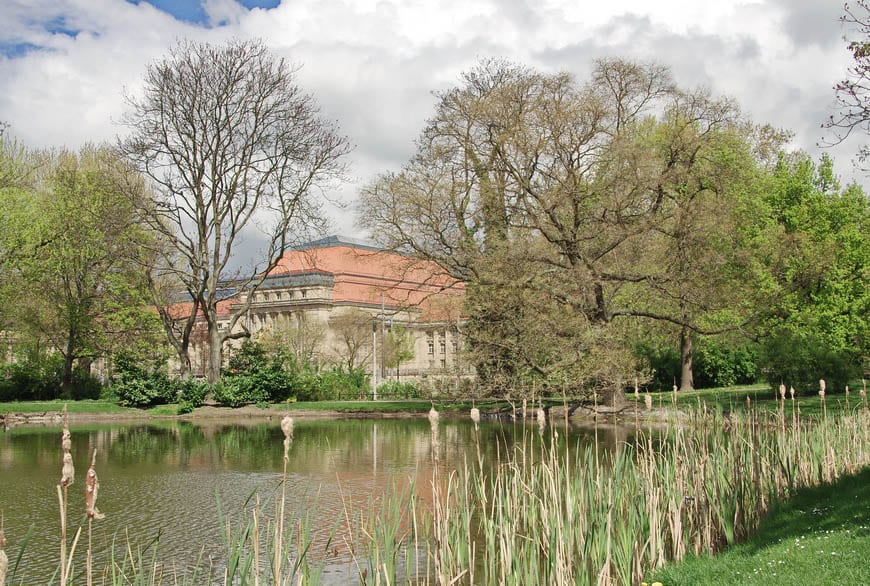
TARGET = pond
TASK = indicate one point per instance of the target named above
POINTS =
(165, 481)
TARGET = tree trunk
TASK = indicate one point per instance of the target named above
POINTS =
(215, 346)
(687, 382)
(68, 358)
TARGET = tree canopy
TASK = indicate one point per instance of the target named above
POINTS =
(234, 150)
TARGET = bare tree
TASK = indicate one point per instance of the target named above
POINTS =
(236, 152)
(353, 329)
(853, 93)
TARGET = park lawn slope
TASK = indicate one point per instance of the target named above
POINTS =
(820, 536)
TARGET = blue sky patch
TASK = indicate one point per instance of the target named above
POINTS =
(192, 10)
(14, 50)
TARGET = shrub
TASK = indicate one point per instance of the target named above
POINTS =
(36, 377)
(800, 359)
(398, 390)
(139, 386)
(192, 392)
(718, 364)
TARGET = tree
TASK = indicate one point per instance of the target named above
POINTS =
(77, 228)
(853, 93)
(235, 150)
(522, 169)
(818, 319)
(353, 330)
(398, 347)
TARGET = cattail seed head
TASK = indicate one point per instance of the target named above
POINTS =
(4, 565)
(92, 485)
(68, 471)
(822, 388)
(647, 399)
(475, 415)
(287, 427)
(791, 392)
(847, 390)
(542, 416)
(782, 391)
(433, 416)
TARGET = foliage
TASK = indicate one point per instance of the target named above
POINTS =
(817, 283)
(720, 364)
(76, 235)
(567, 206)
(192, 392)
(138, 385)
(36, 375)
(253, 377)
(800, 358)
(399, 390)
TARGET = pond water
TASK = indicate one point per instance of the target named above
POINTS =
(163, 481)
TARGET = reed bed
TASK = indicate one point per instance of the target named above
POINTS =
(549, 514)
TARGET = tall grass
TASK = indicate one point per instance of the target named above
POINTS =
(549, 514)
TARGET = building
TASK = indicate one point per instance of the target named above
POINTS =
(343, 301)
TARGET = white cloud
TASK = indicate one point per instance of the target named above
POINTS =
(373, 64)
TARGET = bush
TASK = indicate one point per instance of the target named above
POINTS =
(85, 386)
(662, 361)
(800, 359)
(35, 378)
(398, 390)
(719, 364)
(139, 386)
(192, 392)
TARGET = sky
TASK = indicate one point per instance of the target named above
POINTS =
(373, 65)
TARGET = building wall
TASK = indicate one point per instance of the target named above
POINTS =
(310, 301)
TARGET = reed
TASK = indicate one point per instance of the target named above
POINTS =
(4, 559)
(570, 516)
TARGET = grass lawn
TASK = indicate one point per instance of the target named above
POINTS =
(821, 536)
(761, 397)
(80, 406)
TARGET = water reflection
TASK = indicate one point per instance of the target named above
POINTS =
(163, 480)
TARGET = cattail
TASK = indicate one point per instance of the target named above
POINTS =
(4, 561)
(847, 390)
(68, 472)
(475, 415)
(782, 391)
(542, 416)
(92, 485)
(647, 398)
(524, 409)
(287, 428)
(822, 388)
(433, 417)
(791, 392)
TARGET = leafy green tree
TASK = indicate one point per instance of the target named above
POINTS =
(398, 347)
(818, 276)
(85, 294)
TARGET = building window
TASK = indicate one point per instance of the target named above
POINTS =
(443, 363)
(456, 347)
(304, 294)
(431, 347)
(443, 347)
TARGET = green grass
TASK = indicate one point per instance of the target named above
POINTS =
(820, 536)
(80, 406)
(761, 397)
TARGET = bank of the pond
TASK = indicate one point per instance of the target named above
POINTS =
(820, 536)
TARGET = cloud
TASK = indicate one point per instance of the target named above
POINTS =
(373, 64)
